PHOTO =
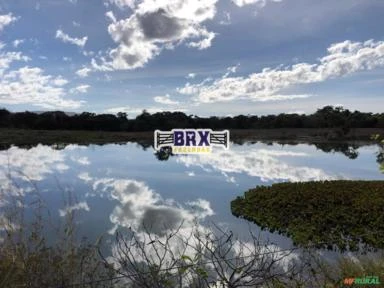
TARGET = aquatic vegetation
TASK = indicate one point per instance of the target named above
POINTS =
(345, 215)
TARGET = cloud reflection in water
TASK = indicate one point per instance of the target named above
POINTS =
(268, 165)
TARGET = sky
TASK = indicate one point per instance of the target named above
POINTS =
(211, 57)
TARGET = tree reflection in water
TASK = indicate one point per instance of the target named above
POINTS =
(164, 153)
(347, 149)
(380, 154)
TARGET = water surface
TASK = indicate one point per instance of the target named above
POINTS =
(118, 186)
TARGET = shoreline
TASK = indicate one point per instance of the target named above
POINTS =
(297, 135)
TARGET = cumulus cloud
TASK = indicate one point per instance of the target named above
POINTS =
(31, 85)
(154, 26)
(72, 40)
(165, 100)
(6, 19)
(28, 85)
(343, 58)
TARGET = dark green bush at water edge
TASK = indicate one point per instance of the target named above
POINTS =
(330, 214)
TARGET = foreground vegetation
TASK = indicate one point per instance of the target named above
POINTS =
(199, 256)
(204, 258)
(329, 214)
(326, 117)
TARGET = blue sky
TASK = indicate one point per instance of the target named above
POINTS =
(211, 57)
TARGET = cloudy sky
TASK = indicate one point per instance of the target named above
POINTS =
(211, 57)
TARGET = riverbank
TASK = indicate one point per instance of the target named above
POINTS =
(31, 137)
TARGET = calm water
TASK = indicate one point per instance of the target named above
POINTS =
(116, 186)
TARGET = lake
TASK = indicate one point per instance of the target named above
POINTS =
(121, 186)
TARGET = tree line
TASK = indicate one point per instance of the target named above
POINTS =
(326, 117)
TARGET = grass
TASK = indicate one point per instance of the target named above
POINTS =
(25, 137)
(329, 214)
(29, 259)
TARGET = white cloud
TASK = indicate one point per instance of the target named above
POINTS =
(28, 85)
(81, 160)
(226, 19)
(80, 89)
(17, 42)
(205, 42)
(111, 16)
(6, 19)
(124, 3)
(260, 3)
(201, 207)
(300, 112)
(60, 81)
(191, 75)
(136, 111)
(75, 24)
(233, 69)
(343, 59)
(154, 26)
(69, 209)
(6, 58)
(85, 177)
(72, 40)
(165, 100)
(190, 173)
(88, 53)
(83, 72)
